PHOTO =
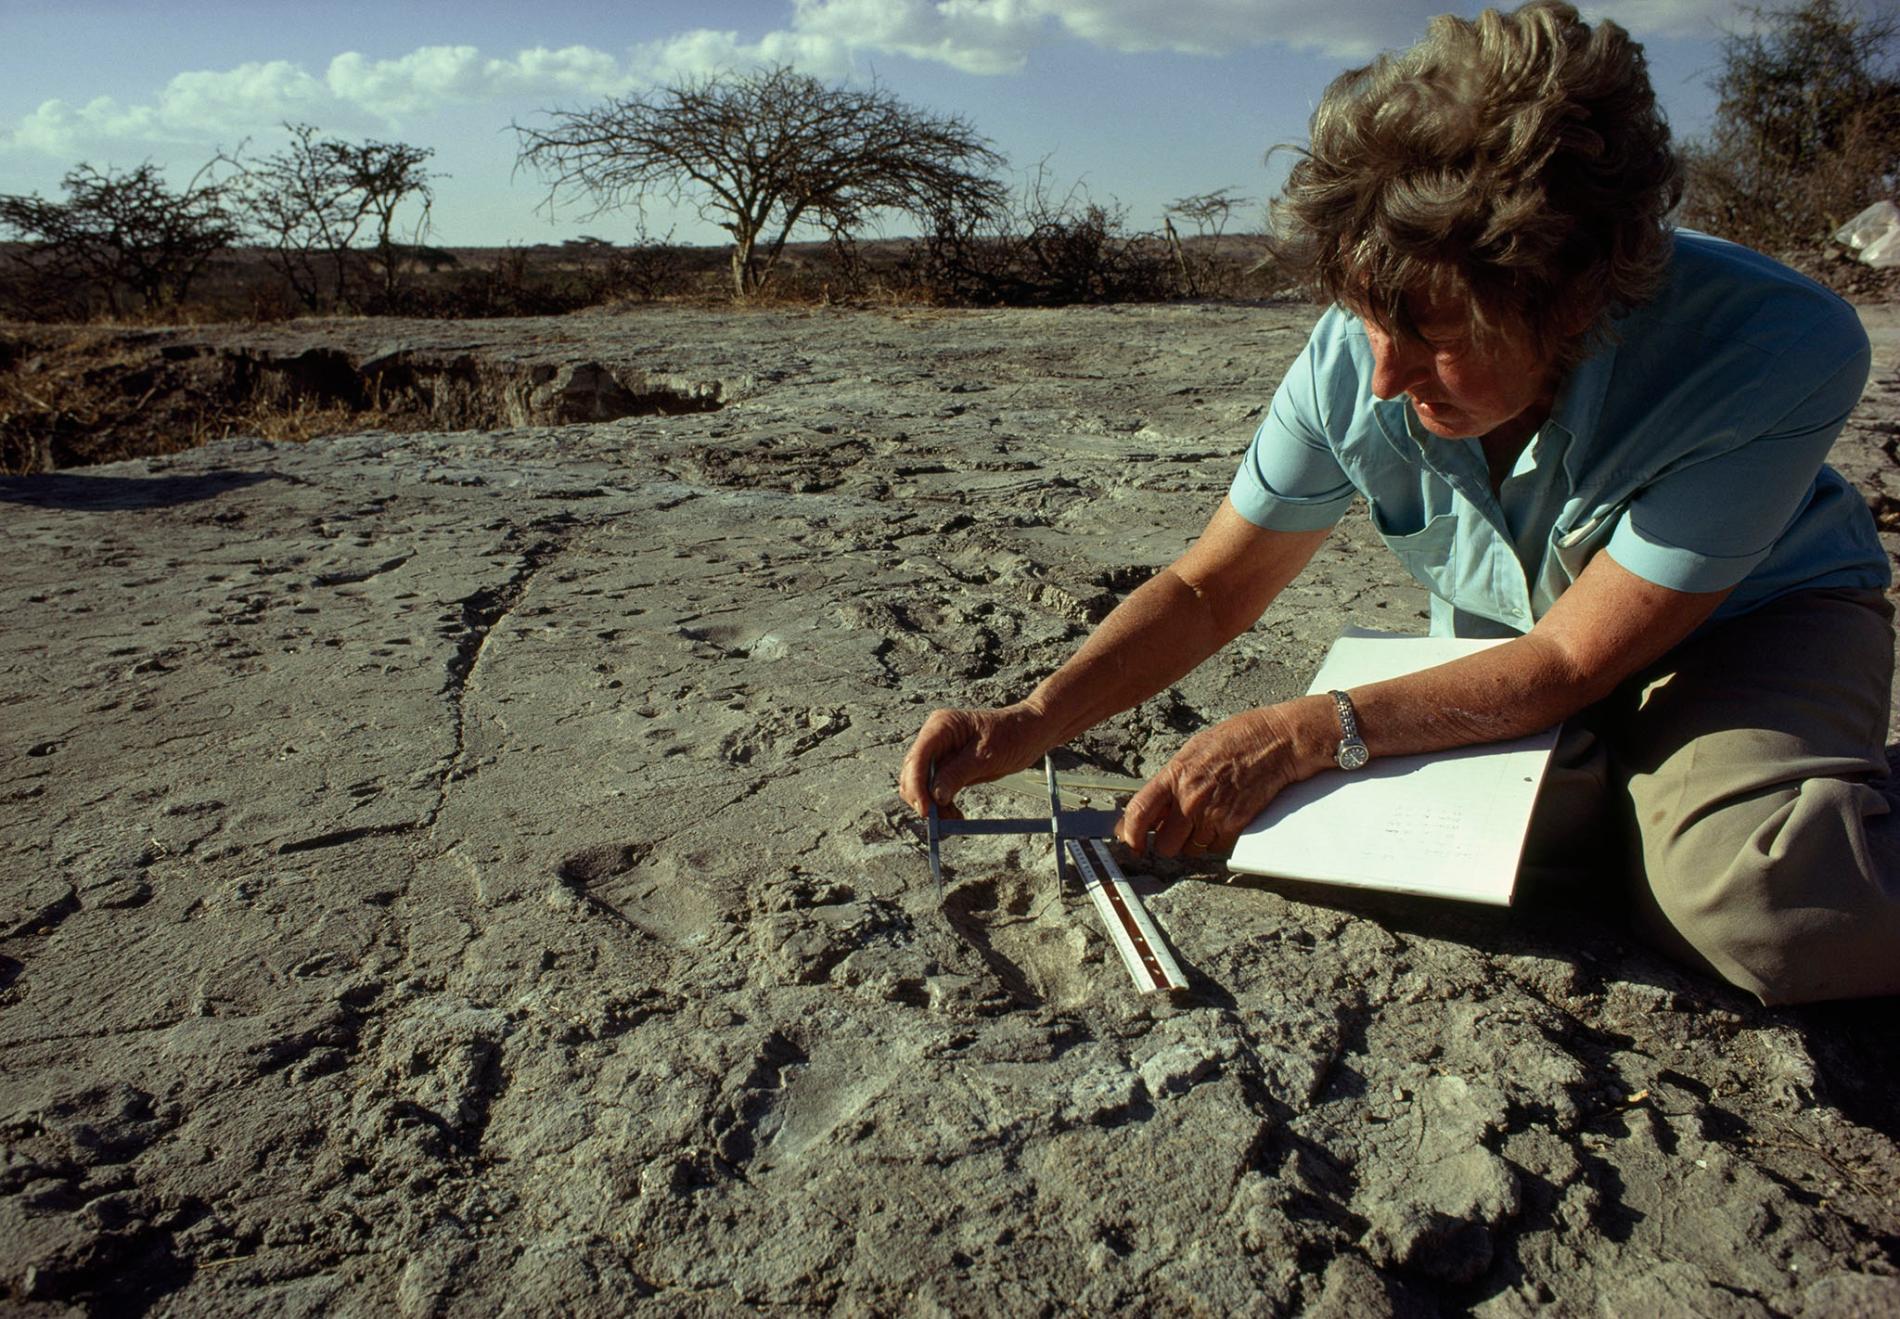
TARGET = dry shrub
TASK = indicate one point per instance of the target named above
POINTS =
(1808, 127)
(1045, 249)
(126, 236)
(547, 281)
(1039, 250)
(648, 270)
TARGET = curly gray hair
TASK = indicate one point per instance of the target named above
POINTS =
(1515, 165)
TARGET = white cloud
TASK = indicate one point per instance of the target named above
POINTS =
(236, 98)
(828, 38)
(190, 108)
(434, 76)
(997, 36)
(1672, 18)
(704, 51)
(354, 93)
(975, 36)
(428, 76)
(57, 126)
(1219, 27)
(571, 68)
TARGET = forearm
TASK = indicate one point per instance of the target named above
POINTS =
(1222, 778)
(1507, 691)
(1171, 623)
(1606, 628)
(1176, 619)
(1510, 690)
(1151, 640)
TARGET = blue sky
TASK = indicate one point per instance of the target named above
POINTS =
(1141, 101)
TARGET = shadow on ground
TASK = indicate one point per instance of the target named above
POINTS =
(121, 493)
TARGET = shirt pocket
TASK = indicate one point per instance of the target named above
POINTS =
(1574, 546)
(1429, 554)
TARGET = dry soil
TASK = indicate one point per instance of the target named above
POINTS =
(461, 872)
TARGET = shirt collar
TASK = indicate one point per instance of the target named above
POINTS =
(1579, 401)
(1457, 462)
(1578, 405)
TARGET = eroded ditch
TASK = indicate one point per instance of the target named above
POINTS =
(97, 398)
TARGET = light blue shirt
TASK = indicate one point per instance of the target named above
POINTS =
(1690, 447)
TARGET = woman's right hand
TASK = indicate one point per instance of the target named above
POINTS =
(969, 746)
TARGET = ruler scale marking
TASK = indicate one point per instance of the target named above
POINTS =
(1138, 913)
(1148, 962)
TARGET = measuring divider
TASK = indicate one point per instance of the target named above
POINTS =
(1079, 834)
(1067, 825)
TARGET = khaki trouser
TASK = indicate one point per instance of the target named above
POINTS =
(1745, 782)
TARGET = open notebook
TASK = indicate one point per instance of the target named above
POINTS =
(1449, 825)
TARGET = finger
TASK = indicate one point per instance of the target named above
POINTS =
(940, 731)
(1206, 835)
(1154, 816)
(1226, 835)
(956, 771)
(976, 758)
(946, 809)
(1172, 837)
(1227, 822)
(911, 778)
(1144, 811)
(907, 786)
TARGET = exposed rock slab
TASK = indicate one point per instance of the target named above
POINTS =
(460, 871)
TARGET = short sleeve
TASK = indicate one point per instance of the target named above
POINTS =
(1289, 479)
(1705, 524)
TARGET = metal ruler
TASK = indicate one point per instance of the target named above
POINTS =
(1149, 963)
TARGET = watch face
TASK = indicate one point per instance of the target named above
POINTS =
(1353, 755)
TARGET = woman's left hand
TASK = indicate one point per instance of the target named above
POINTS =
(1226, 775)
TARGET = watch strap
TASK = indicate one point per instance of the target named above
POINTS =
(1348, 717)
(1352, 752)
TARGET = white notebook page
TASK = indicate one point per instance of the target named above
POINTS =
(1450, 824)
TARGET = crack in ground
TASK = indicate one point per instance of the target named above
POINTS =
(100, 1033)
(482, 612)
(341, 837)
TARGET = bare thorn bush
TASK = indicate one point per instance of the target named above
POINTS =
(1808, 127)
(1041, 249)
(120, 241)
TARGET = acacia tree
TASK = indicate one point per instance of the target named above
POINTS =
(384, 176)
(1209, 212)
(125, 231)
(1807, 128)
(762, 153)
(312, 201)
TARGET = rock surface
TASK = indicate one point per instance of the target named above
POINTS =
(461, 872)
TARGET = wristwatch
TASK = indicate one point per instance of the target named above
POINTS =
(1352, 753)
